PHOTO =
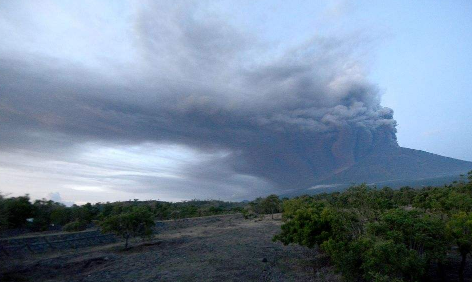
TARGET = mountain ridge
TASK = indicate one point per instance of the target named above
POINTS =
(393, 166)
(399, 163)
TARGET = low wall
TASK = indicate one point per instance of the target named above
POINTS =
(42, 244)
(14, 247)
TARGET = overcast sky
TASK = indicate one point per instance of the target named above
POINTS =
(174, 100)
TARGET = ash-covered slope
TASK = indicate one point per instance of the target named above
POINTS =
(397, 163)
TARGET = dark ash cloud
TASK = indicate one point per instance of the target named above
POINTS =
(283, 121)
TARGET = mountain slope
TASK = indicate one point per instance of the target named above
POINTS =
(397, 163)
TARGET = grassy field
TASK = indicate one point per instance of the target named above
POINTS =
(221, 248)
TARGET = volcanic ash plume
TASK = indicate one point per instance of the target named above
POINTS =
(289, 118)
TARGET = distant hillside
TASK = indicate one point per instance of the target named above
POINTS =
(395, 167)
(397, 163)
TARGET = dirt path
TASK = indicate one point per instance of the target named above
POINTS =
(226, 248)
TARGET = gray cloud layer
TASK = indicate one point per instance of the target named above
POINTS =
(284, 120)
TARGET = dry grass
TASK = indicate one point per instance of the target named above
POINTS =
(226, 248)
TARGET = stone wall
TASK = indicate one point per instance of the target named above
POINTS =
(21, 246)
(41, 244)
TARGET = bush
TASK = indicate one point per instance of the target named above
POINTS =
(383, 234)
(75, 226)
(248, 213)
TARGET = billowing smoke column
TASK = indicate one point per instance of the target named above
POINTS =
(291, 118)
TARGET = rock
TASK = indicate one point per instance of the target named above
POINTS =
(264, 260)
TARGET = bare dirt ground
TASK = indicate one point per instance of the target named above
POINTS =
(224, 248)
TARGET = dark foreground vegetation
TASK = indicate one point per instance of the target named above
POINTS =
(384, 234)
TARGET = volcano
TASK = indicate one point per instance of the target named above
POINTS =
(398, 163)
(380, 161)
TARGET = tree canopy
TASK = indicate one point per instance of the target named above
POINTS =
(384, 234)
(137, 221)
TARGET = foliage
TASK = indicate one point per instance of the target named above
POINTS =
(75, 226)
(248, 213)
(17, 210)
(290, 207)
(47, 213)
(309, 227)
(50, 215)
(138, 221)
(383, 234)
(460, 229)
(271, 204)
(3, 214)
(61, 215)
(268, 205)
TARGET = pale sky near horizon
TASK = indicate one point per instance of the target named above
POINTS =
(416, 54)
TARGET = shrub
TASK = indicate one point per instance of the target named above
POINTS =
(75, 226)
(383, 234)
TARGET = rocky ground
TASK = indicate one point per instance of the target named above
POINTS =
(224, 248)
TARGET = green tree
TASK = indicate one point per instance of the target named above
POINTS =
(44, 211)
(86, 213)
(3, 213)
(256, 205)
(61, 215)
(271, 204)
(132, 223)
(460, 229)
(418, 238)
(17, 210)
(313, 226)
(376, 235)
(291, 206)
